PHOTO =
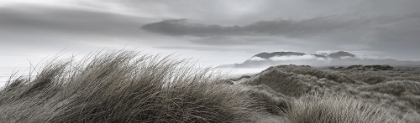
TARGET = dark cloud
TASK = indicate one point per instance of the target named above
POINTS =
(243, 40)
(182, 27)
(282, 27)
(350, 30)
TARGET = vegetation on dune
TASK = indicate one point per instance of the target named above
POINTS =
(295, 81)
(336, 109)
(397, 93)
(125, 87)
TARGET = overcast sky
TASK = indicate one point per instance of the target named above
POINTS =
(211, 31)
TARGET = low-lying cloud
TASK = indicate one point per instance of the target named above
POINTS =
(293, 58)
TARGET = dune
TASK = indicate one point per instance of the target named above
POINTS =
(125, 86)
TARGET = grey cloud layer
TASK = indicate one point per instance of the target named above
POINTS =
(241, 40)
(35, 22)
(288, 28)
(379, 32)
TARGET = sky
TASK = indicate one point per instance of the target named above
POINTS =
(213, 32)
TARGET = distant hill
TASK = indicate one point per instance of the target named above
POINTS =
(340, 54)
(340, 58)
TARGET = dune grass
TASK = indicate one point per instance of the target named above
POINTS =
(336, 109)
(123, 87)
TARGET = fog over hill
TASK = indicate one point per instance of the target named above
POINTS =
(339, 58)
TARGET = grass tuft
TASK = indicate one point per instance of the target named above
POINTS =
(336, 109)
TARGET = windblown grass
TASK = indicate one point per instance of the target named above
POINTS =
(336, 109)
(398, 97)
(123, 87)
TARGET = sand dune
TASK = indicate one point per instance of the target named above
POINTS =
(127, 87)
